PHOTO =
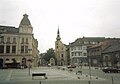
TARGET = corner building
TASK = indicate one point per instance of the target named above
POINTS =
(18, 45)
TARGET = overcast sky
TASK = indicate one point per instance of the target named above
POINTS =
(75, 18)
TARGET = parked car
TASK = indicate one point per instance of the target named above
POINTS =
(49, 65)
(111, 70)
(71, 66)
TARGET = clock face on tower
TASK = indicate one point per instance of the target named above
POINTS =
(25, 30)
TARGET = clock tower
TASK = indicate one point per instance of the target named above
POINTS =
(25, 25)
(60, 51)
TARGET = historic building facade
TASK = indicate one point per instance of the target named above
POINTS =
(60, 51)
(111, 56)
(18, 45)
(104, 53)
(78, 49)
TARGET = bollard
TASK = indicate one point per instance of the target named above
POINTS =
(46, 77)
(112, 80)
(40, 82)
(88, 82)
(78, 77)
(96, 77)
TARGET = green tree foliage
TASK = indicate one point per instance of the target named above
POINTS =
(50, 54)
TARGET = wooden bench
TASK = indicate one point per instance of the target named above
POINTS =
(39, 74)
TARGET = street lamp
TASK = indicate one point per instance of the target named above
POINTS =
(1, 38)
(29, 60)
(90, 68)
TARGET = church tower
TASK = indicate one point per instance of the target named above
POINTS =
(25, 25)
(58, 35)
(60, 50)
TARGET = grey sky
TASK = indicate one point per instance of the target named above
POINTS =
(75, 18)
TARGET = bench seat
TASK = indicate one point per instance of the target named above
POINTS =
(39, 74)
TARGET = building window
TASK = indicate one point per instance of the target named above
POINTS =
(2, 39)
(26, 40)
(22, 41)
(22, 49)
(26, 49)
(94, 42)
(80, 48)
(80, 53)
(75, 54)
(84, 47)
(13, 49)
(84, 54)
(72, 54)
(7, 49)
(1, 49)
(117, 56)
(106, 58)
(86, 42)
(62, 55)
(74, 48)
(14, 40)
(8, 39)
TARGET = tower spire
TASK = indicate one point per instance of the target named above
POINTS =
(25, 21)
(58, 34)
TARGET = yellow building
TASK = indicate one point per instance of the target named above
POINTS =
(60, 51)
(18, 45)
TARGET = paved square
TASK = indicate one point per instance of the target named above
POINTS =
(19, 76)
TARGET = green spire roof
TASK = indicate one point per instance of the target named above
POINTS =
(25, 21)
(58, 34)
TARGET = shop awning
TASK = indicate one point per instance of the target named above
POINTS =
(10, 61)
(18, 61)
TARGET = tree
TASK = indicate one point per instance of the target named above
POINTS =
(50, 54)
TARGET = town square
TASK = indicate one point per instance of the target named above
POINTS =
(59, 42)
(61, 75)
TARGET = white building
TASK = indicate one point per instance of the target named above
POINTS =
(78, 49)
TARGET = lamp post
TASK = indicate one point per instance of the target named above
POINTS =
(29, 60)
(90, 68)
(29, 69)
(1, 36)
